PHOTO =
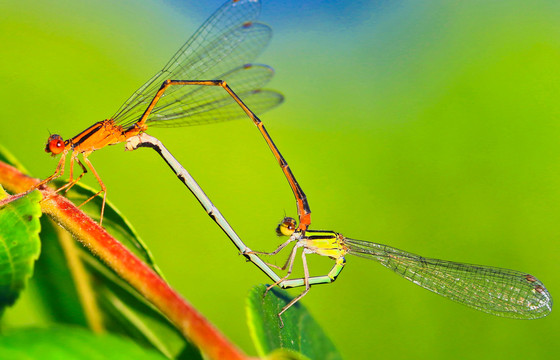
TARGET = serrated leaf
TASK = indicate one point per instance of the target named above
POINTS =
(70, 343)
(300, 333)
(19, 244)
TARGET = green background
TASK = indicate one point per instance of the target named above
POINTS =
(433, 127)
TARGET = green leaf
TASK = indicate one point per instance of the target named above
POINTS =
(70, 343)
(285, 354)
(126, 312)
(19, 244)
(53, 280)
(300, 332)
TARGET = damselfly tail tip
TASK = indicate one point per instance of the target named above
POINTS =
(542, 296)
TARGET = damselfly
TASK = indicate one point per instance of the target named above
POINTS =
(221, 49)
(501, 292)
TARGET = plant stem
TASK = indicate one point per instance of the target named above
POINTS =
(185, 317)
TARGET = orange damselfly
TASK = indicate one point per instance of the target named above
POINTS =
(222, 48)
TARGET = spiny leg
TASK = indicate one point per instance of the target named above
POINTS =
(103, 188)
(58, 172)
(288, 273)
(71, 181)
(84, 171)
(283, 267)
(307, 287)
(291, 239)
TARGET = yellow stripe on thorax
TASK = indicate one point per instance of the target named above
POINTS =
(325, 243)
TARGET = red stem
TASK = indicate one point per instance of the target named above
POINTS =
(186, 318)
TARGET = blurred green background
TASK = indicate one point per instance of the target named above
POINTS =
(432, 126)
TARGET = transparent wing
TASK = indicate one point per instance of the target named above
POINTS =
(227, 40)
(223, 109)
(206, 104)
(501, 292)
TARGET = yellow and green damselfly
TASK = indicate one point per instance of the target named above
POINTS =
(501, 292)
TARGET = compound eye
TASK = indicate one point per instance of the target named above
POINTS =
(286, 227)
(55, 144)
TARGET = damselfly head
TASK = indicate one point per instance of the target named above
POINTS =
(55, 144)
(286, 227)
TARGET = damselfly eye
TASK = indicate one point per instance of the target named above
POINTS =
(55, 144)
(286, 227)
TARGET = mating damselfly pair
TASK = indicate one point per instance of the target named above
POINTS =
(220, 54)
